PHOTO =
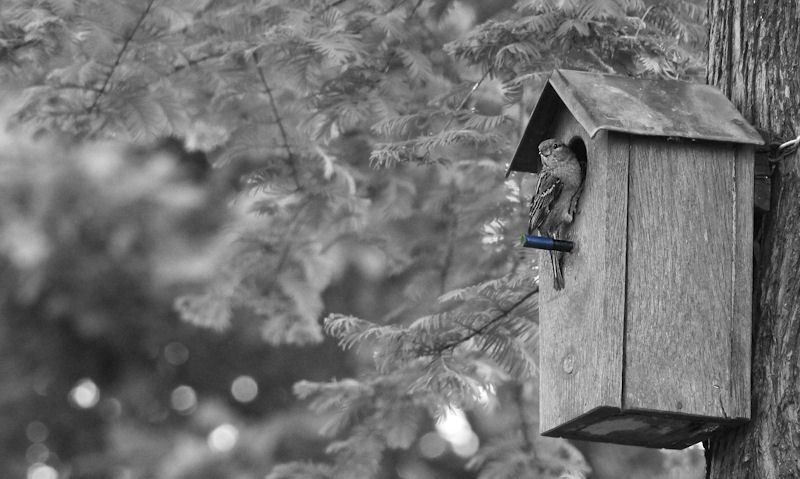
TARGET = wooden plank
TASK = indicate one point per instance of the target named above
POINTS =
(580, 348)
(680, 277)
(741, 320)
(614, 267)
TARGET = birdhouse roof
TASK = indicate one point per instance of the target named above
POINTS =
(665, 108)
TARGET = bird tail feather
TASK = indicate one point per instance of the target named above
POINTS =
(558, 276)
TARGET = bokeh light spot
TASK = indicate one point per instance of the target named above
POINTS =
(42, 471)
(223, 438)
(431, 445)
(176, 353)
(37, 452)
(244, 389)
(467, 447)
(36, 431)
(183, 399)
(455, 429)
(85, 394)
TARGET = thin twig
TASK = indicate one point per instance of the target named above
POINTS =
(489, 324)
(452, 220)
(448, 261)
(333, 4)
(467, 97)
(646, 13)
(279, 122)
(21, 45)
(474, 88)
(120, 54)
(414, 10)
(596, 57)
(291, 229)
(194, 62)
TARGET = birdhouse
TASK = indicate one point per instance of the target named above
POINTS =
(648, 343)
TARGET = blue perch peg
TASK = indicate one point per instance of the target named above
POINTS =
(550, 244)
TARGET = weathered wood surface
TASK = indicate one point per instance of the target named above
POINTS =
(652, 326)
(616, 149)
(581, 326)
(680, 277)
(741, 320)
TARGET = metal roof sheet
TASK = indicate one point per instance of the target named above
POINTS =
(668, 108)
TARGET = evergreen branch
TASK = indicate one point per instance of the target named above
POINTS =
(279, 122)
(120, 54)
(292, 228)
(449, 253)
(489, 324)
(195, 61)
(608, 68)
(448, 261)
(414, 10)
(468, 96)
(21, 45)
(466, 325)
(422, 22)
(646, 13)
(372, 20)
(333, 4)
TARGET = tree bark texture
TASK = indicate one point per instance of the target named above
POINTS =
(754, 51)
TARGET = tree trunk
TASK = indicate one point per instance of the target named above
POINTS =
(754, 51)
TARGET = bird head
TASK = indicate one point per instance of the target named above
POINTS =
(552, 151)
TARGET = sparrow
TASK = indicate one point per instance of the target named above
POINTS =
(553, 204)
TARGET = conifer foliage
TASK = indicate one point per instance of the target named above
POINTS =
(361, 126)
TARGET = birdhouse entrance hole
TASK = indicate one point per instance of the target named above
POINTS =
(578, 147)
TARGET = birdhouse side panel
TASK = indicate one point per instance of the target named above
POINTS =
(741, 321)
(681, 251)
(581, 329)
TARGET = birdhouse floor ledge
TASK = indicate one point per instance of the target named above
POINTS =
(641, 427)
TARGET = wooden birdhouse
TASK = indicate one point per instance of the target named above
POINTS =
(648, 343)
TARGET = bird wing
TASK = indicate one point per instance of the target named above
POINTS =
(547, 190)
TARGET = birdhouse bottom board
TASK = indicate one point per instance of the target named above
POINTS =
(640, 428)
(649, 342)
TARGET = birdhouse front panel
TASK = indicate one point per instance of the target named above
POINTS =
(648, 341)
(581, 327)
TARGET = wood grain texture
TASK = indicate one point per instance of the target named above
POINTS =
(752, 57)
(580, 331)
(741, 320)
(614, 268)
(680, 277)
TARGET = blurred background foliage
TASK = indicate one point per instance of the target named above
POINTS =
(190, 187)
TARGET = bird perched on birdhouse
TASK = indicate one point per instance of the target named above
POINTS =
(555, 201)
